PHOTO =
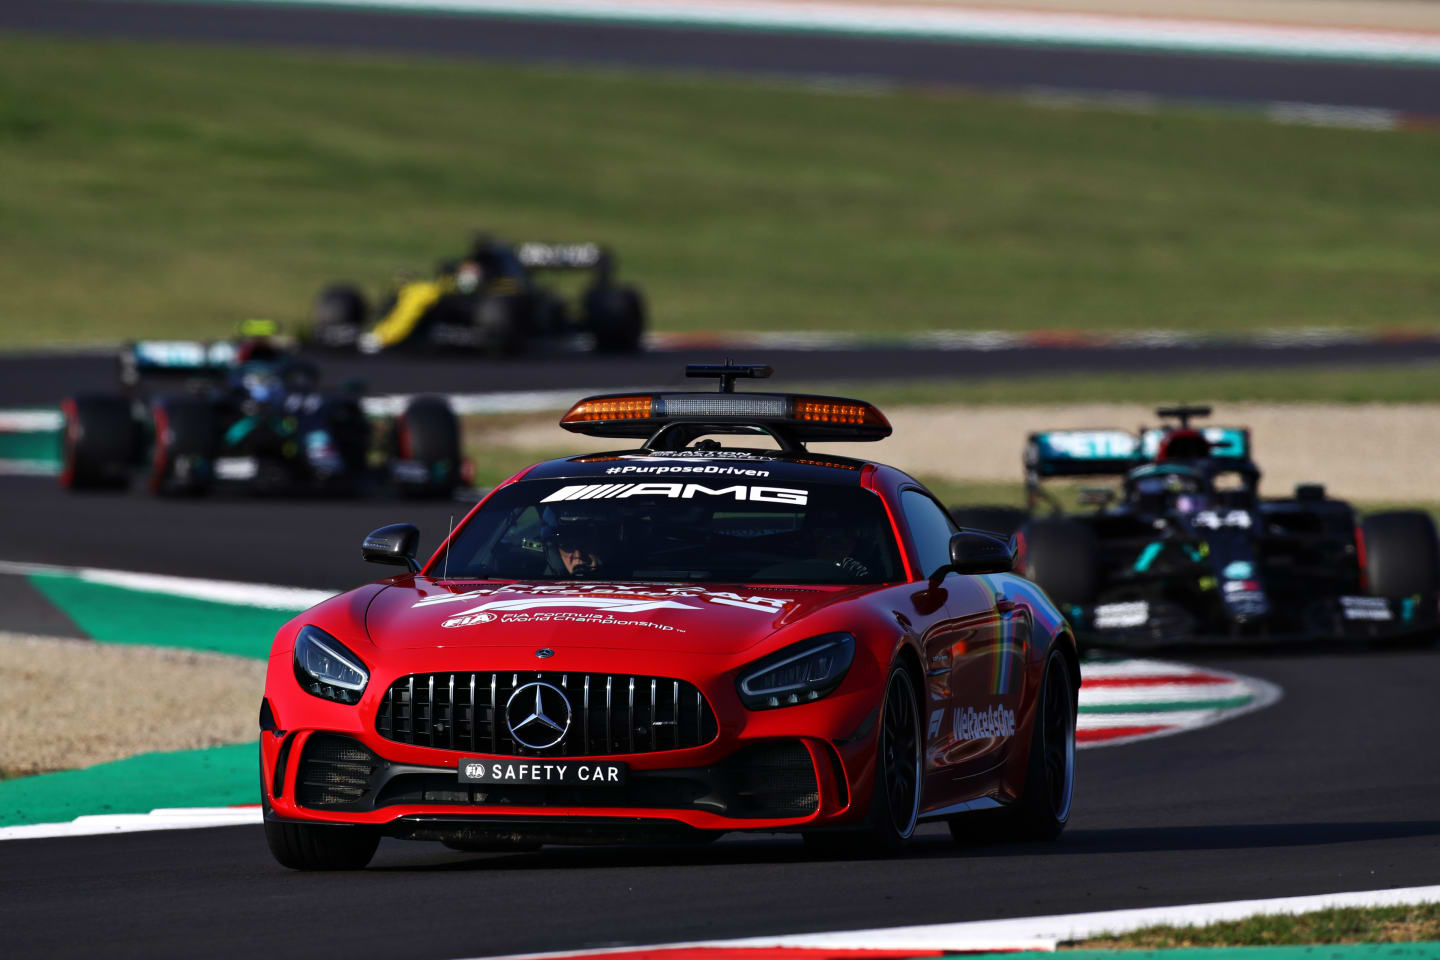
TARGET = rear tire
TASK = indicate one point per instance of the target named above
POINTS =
(341, 314)
(1402, 556)
(304, 846)
(1063, 557)
(427, 433)
(899, 765)
(616, 316)
(187, 438)
(98, 442)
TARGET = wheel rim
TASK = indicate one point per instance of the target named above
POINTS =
(1059, 739)
(901, 754)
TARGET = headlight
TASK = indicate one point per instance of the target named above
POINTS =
(800, 673)
(326, 669)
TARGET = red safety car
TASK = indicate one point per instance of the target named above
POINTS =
(674, 641)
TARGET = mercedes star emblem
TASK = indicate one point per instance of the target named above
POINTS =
(545, 724)
(544, 653)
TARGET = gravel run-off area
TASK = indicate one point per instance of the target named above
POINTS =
(97, 702)
(1372, 452)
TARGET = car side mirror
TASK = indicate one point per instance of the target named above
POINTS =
(974, 552)
(394, 545)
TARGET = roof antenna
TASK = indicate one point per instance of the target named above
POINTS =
(446, 574)
(728, 371)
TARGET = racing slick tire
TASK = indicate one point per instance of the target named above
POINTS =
(98, 442)
(501, 325)
(1402, 556)
(427, 434)
(1043, 811)
(341, 313)
(899, 759)
(992, 519)
(305, 846)
(1062, 556)
(616, 316)
(187, 435)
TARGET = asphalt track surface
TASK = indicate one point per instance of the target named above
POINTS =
(1333, 788)
(907, 62)
(42, 379)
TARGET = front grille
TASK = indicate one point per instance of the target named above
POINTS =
(335, 772)
(610, 713)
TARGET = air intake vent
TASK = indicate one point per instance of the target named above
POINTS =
(334, 772)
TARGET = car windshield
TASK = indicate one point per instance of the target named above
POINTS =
(678, 532)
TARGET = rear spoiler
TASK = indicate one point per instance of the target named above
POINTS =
(1226, 443)
(143, 358)
(1080, 453)
(1110, 452)
(534, 255)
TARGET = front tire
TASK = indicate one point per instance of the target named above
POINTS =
(1402, 556)
(304, 846)
(895, 803)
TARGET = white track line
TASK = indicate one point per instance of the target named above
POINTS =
(164, 819)
(30, 421)
(1038, 933)
(962, 23)
(266, 595)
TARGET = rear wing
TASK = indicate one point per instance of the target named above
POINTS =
(1226, 443)
(1080, 453)
(534, 255)
(180, 358)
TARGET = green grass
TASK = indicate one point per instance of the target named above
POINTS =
(1417, 382)
(1350, 925)
(166, 190)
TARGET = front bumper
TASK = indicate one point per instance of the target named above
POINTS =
(322, 777)
(794, 768)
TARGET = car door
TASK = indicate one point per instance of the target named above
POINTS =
(959, 648)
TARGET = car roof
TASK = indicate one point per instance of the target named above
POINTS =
(697, 465)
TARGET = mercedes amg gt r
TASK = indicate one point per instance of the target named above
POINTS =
(672, 642)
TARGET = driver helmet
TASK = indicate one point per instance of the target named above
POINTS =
(580, 546)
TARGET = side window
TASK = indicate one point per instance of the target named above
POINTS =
(931, 528)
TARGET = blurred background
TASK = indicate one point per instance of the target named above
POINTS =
(987, 218)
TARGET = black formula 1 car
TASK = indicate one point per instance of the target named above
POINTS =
(491, 300)
(249, 414)
(1186, 550)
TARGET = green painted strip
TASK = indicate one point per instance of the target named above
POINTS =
(41, 445)
(213, 777)
(1423, 950)
(118, 615)
(1166, 706)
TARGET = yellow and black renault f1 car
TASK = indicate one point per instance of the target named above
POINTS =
(492, 301)
(249, 415)
(1186, 550)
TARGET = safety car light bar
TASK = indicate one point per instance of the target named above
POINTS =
(803, 418)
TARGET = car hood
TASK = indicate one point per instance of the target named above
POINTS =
(714, 618)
